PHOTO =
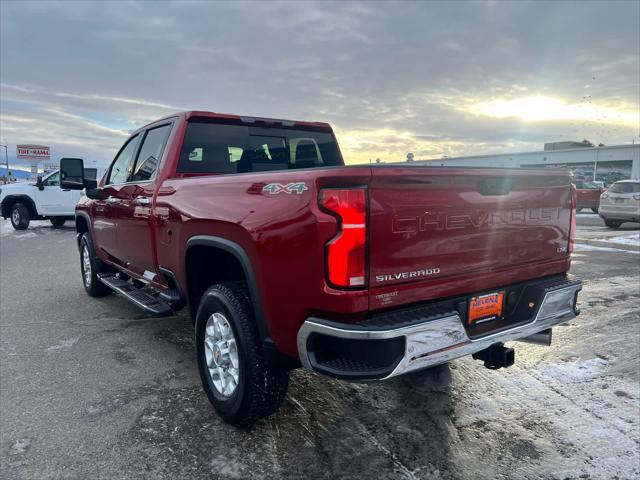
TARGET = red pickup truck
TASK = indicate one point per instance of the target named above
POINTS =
(588, 195)
(285, 257)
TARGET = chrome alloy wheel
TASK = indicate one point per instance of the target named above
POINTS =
(221, 353)
(15, 216)
(86, 266)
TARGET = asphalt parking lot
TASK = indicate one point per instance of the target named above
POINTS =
(91, 388)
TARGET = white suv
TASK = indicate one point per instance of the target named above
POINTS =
(43, 200)
(621, 203)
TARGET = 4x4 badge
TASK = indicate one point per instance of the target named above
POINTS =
(275, 188)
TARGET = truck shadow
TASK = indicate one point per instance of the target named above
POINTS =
(397, 428)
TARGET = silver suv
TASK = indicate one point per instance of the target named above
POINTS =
(621, 203)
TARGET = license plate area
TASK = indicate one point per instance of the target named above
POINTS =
(485, 308)
(519, 306)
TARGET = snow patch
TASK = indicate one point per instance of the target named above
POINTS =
(626, 239)
(583, 247)
(574, 372)
(35, 228)
(63, 345)
(20, 446)
(6, 228)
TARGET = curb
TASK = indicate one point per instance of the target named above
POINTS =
(606, 244)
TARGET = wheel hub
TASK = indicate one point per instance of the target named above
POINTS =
(86, 266)
(15, 215)
(221, 354)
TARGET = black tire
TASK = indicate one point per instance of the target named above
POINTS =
(594, 209)
(613, 223)
(260, 389)
(93, 286)
(20, 216)
(57, 222)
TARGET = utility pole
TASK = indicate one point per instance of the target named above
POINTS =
(6, 157)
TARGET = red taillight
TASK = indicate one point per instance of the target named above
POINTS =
(346, 252)
(572, 232)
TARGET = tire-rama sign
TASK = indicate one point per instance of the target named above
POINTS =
(32, 151)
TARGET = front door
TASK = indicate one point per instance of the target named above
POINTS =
(54, 201)
(135, 209)
(107, 211)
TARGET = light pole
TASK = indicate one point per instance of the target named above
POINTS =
(6, 157)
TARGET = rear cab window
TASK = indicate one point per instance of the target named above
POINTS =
(215, 147)
(587, 185)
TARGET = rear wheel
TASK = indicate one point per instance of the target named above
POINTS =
(20, 216)
(613, 223)
(57, 222)
(240, 384)
(91, 266)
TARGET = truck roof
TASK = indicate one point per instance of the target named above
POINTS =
(188, 114)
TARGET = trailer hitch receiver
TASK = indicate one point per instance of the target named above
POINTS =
(496, 356)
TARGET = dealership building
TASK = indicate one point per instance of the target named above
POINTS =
(606, 163)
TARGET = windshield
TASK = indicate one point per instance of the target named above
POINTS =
(223, 148)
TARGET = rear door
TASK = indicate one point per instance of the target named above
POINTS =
(434, 223)
(135, 207)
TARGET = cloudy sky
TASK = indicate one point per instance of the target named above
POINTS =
(424, 77)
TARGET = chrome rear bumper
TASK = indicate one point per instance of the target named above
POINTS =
(431, 342)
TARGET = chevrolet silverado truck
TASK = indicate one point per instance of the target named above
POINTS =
(285, 257)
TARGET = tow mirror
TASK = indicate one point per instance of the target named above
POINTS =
(39, 183)
(95, 193)
(72, 174)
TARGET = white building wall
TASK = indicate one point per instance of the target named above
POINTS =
(593, 155)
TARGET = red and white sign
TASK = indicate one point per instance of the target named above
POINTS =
(33, 151)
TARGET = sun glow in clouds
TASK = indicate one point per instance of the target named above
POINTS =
(540, 108)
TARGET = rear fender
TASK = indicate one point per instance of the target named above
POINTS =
(238, 252)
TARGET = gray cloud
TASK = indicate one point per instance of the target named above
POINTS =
(391, 77)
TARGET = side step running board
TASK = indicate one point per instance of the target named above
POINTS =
(146, 298)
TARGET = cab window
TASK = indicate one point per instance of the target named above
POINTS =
(121, 166)
(587, 185)
(52, 180)
(212, 147)
(150, 153)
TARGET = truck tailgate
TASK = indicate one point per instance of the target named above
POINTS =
(431, 223)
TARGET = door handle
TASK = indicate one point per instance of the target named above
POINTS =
(112, 200)
(142, 201)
